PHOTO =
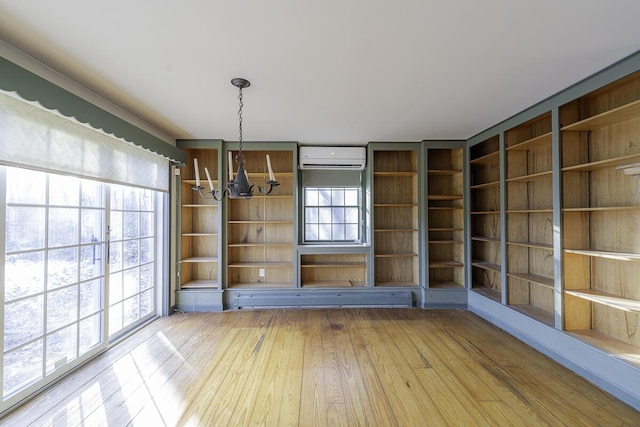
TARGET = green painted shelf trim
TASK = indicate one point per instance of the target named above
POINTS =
(32, 87)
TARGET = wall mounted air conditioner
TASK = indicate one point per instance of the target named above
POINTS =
(342, 158)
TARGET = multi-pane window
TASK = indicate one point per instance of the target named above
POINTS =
(331, 214)
(132, 256)
(58, 288)
(53, 273)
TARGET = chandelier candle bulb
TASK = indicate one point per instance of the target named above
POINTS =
(195, 165)
(230, 166)
(272, 177)
(206, 171)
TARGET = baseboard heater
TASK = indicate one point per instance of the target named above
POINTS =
(321, 298)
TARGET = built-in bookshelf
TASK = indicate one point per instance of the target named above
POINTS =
(485, 213)
(329, 270)
(198, 223)
(529, 186)
(601, 216)
(260, 230)
(445, 217)
(395, 205)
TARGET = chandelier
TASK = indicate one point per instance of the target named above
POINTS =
(238, 187)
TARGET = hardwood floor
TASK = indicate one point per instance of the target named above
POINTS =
(323, 367)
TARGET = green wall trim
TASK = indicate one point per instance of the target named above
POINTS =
(31, 87)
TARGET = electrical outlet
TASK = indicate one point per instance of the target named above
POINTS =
(261, 272)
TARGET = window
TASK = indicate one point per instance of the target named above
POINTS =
(131, 257)
(53, 274)
(62, 301)
(332, 214)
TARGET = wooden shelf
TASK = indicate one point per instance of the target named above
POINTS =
(444, 263)
(333, 284)
(487, 266)
(535, 245)
(396, 284)
(485, 213)
(198, 206)
(534, 278)
(444, 284)
(536, 313)
(259, 222)
(268, 197)
(437, 229)
(619, 349)
(395, 230)
(396, 255)
(546, 175)
(445, 242)
(444, 172)
(394, 174)
(620, 256)
(608, 299)
(485, 239)
(444, 208)
(529, 211)
(259, 245)
(616, 115)
(485, 185)
(333, 264)
(192, 182)
(200, 284)
(444, 197)
(487, 158)
(199, 234)
(487, 292)
(535, 142)
(259, 285)
(200, 259)
(603, 164)
(266, 264)
(602, 209)
(395, 205)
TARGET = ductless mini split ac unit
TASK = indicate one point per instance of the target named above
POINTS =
(340, 158)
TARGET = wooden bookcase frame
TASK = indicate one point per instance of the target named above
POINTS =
(529, 186)
(396, 214)
(486, 225)
(335, 266)
(445, 216)
(261, 232)
(198, 231)
(600, 134)
(199, 225)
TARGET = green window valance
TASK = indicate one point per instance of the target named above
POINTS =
(31, 87)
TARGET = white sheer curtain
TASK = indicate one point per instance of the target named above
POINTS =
(31, 136)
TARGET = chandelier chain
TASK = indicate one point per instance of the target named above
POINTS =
(240, 119)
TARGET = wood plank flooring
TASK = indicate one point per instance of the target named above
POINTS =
(323, 367)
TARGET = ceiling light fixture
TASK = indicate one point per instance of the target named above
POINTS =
(238, 188)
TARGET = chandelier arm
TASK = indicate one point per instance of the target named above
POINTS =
(199, 190)
(220, 194)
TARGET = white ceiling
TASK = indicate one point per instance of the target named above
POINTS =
(330, 71)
